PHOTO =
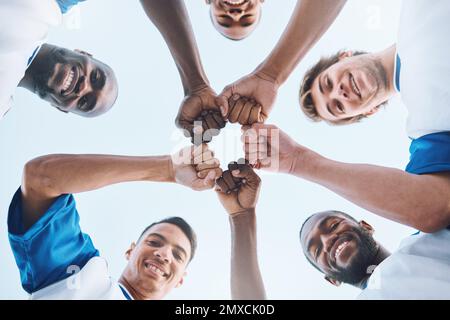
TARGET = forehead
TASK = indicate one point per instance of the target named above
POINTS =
(172, 234)
(311, 227)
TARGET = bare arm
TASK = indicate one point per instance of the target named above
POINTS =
(246, 280)
(238, 191)
(310, 20)
(172, 20)
(420, 201)
(48, 177)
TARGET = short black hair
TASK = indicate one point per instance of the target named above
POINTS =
(304, 223)
(183, 225)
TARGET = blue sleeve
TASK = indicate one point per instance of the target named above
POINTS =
(66, 5)
(45, 251)
(430, 154)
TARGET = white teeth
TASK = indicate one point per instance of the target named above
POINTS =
(156, 270)
(355, 88)
(234, 3)
(68, 80)
(339, 249)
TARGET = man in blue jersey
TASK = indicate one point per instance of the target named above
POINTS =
(57, 260)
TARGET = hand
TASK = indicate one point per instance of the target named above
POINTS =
(201, 106)
(238, 188)
(267, 147)
(257, 87)
(196, 167)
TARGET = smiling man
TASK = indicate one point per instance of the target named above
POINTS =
(345, 251)
(57, 260)
(72, 81)
(235, 19)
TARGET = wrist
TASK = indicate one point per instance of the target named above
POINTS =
(303, 161)
(270, 72)
(243, 214)
(195, 85)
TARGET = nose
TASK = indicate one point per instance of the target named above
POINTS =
(82, 86)
(327, 241)
(163, 254)
(342, 92)
(236, 13)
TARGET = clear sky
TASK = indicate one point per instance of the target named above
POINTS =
(142, 123)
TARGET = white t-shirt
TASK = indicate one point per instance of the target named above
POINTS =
(419, 269)
(92, 282)
(24, 25)
(424, 49)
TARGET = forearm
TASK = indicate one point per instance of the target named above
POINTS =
(310, 20)
(246, 280)
(54, 175)
(420, 201)
(172, 20)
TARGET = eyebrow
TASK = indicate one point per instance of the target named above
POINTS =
(321, 224)
(322, 92)
(161, 237)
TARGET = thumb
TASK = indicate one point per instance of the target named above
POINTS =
(246, 173)
(222, 102)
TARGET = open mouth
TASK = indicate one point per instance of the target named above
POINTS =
(235, 3)
(155, 269)
(354, 86)
(338, 247)
(70, 81)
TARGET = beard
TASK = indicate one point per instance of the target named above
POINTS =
(44, 70)
(359, 267)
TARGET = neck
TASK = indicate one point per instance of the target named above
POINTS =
(387, 58)
(28, 81)
(381, 255)
(135, 293)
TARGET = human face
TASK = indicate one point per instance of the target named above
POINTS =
(74, 82)
(235, 19)
(354, 86)
(158, 262)
(339, 247)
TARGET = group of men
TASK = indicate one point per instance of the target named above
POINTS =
(345, 88)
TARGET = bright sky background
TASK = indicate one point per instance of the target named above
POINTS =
(142, 123)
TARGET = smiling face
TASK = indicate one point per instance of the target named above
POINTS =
(157, 263)
(74, 82)
(339, 247)
(235, 19)
(354, 86)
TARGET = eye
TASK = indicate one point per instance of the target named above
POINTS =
(82, 103)
(177, 256)
(95, 75)
(340, 107)
(154, 243)
(328, 83)
(317, 252)
(334, 225)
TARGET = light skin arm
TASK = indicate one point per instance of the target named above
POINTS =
(419, 201)
(310, 20)
(172, 20)
(46, 178)
(238, 191)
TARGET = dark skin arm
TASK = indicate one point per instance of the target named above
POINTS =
(172, 20)
(238, 190)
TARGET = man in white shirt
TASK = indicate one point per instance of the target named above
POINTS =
(71, 81)
(345, 251)
(57, 260)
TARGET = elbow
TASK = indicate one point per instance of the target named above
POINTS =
(434, 221)
(36, 178)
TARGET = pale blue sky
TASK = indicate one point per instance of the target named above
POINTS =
(142, 123)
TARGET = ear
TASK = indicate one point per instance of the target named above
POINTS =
(334, 282)
(366, 226)
(180, 283)
(129, 251)
(83, 52)
(345, 54)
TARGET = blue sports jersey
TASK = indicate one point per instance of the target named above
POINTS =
(430, 154)
(50, 249)
(66, 5)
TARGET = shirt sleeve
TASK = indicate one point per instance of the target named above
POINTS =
(430, 154)
(45, 251)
